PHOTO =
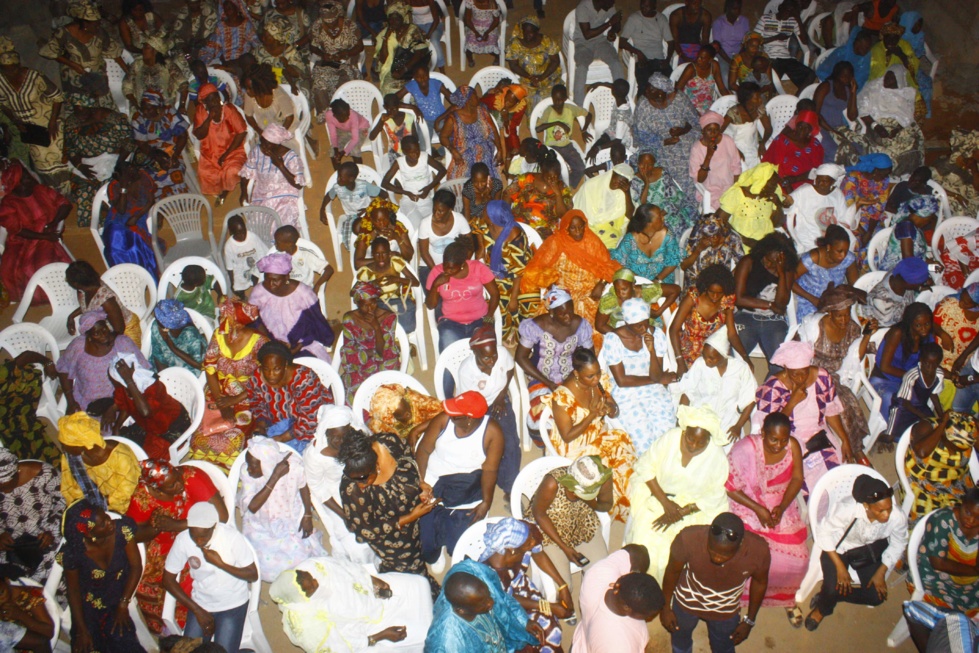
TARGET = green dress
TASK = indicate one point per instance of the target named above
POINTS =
(21, 430)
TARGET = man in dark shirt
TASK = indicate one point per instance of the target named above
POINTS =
(705, 579)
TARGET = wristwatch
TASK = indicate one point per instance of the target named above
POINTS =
(748, 620)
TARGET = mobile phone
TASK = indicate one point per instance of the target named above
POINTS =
(583, 561)
(867, 330)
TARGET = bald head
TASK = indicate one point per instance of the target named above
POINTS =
(467, 594)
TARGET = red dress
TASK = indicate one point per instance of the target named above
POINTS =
(164, 409)
(22, 257)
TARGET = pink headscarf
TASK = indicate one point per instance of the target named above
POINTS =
(793, 355)
(275, 263)
(711, 118)
(276, 133)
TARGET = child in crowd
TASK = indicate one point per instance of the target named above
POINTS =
(355, 195)
(617, 155)
(620, 122)
(429, 95)
(241, 252)
(396, 125)
(920, 386)
(306, 263)
(199, 77)
(557, 125)
(194, 291)
(411, 177)
(347, 130)
(528, 158)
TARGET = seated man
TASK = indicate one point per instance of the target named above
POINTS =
(776, 30)
(644, 35)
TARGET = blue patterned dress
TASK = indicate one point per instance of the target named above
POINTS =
(631, 256)
(817, 278)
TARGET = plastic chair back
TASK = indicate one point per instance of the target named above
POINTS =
(362, 97)
(877, 246)
(194, 237)
(171, 275)
(259, 220)
(100, 202)
(132, 284)
(185, 387)
(951, 229)
(62, 298)
(471, 544)
(327, 376)
(780, 110)
(137, 450)
(489, 76)
(362, 398)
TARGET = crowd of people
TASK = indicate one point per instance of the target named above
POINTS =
(707, 317)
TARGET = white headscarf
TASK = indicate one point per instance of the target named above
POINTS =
(143, 377)
(719, 342)
(830, 170)
(879, 102)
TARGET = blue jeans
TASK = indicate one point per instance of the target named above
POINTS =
(754, 329)
(436, 40)
(966, 397)
(228, 626)
(576, 167)
(886, 388)
(718, 632)
(450, 332)
(510, 463)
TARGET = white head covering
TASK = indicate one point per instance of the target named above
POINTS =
(202, 515)
(635, 311)
(830, 170)
(143, 377)
(879, 102)
(719, 342)
(330, 416)
(624, 170)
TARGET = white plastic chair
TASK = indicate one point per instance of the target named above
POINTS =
(446, 34)
(403, 344)
(18, 338)
(939, 192)
(900, 456)
(463, 37)
(132, 283)
(834, 486)
(183, 213)
(220, 481)
(600, 102)
(361, 96)
(446, 82)
(900, 632)
(951, 229)
(185, 387)
(487, 77)
(598, 71)
(137, 450)
(62, 298)
(808, 92)
(100, 202)
(365, 173)
(300, 128)
(780, 110)
(171, 275)
(116, 75)
(362, 398)
(972, 278)
(327, 376)
(470, 544)
(454, 186)
(877, 246)
(869, 279)
(259, 220)
(724, 103)
(814, 29)
(931, 296)
(533, 238)
(821, 58)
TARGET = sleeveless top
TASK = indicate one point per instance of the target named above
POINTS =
(455, 455)
(690, 32)
(414, 177)
(834, 109)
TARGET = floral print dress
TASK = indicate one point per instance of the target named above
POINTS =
(359, 359)
(33, 508)
(518, 583)
(696, 329)
(944, 539)
(534, 60)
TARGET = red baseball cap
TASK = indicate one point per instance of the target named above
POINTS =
(470, 404)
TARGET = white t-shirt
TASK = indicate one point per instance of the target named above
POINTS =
(489, 385)
(307, 265)
(814, 212)
(214, 590)
(241, 257)
(437, 244)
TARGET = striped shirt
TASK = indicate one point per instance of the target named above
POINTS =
(768, 26)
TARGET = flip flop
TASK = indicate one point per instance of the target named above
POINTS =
(795, 616)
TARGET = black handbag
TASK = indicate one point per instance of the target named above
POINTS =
(816, 444)
(36, 135)
(861, 557)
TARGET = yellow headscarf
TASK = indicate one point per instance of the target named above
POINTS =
(701, 418)
(80, 430)
(756, 178)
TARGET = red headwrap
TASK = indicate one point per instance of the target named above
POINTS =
(809, 117)
(205, 90)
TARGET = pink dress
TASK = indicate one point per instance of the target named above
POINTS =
(272, 189)
(766, 484)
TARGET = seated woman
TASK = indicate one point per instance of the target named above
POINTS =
(369, 342)
(606, 200)
(131, 194)
(836, 105)
(389, 272)
(552, 338)
(702, 80)
(715, 161)
(909, 237)
(872, 548)
(284, 397)
(34, 217)
(678, 482)
(856, 52)
(510, 546)
(654, 185)
(706, 307)
(648, 248)
(866, 186)
(565, 508)
(539, 199)
(721, 382)
(470, 135)
(535, 58)
(755, 205)
(808, 395)
(276, 511)
(83, 369)
(229, 362)
(159, 508)
(624, 287)
(153, 69)
(763, 282)
(957, 315)
(104, 473)
(752, 66)
(380, 220)
(937, 462)
(459, 458)
(797, 150)
(580, 405)
(402, 411)
(381, 486)
(818, 205)
(839, 345)
(711, 242)
(102, 568)
(94, 295)
(289, 310)
(948, 567)
(574, 258)
(504, 247)
(221, 131)
(455, 293)
(439, 229)
(663, 123)
(31, 507)
(765, 479)
(401, 47)
(830, 264)
(507, 103)
(158, 418)
(739, 124)
(27, 626)
(161, 136)
(480, 188)
(325, 602)
(233, 37)
(174, 339)
(633, 355)
(278, 176)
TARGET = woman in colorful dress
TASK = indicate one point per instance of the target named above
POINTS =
(230, 361)
(159, 508)
(233, 37)
(479, 189)
(153, 70)
(400, 47)
(540, 199)
(579, 406)
(482, 23)
(31, 507)
(739, 124)
(27, 626)
(161, 136)
(796, 151)
(867, 185)
(624, 288)
(648, 248)
(336, 41)
(369, 342)
(765, 479)
(277, 175)
(654, 185)
(535, 58)
(831, 262)
(174, 339)
(958, 316)
(221, 130)
(947, 556)
(702, 80)
(131, 194)
(712, 242)
(102, 568)
(958, 173)
(402, 411)
(910, 226)
(960, 258)
(706, 307)
(470, 135)
(937, 462)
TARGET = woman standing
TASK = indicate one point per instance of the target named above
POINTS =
(648, 248)
(470, 135)
(161, 136)
(336, 42)
(369, 342)
(535, 58)
(705, 308)
(221, 130)
(830, 264)
(663, 124)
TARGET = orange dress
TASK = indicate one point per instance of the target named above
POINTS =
(216, 178)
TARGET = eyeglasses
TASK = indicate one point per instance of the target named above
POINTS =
(718, 531)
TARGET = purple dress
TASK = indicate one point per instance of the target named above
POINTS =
(90, 374)
(294, 319)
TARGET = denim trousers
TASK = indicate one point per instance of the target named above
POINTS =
(405, 310)
(718, 632)
(436, 41)
(764, 330)
(228, 626)
(966, 397)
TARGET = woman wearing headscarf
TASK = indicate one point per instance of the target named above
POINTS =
(633, 356)
(289, 310)
(580, 406)
(33, 216)
(336, 42)
(712, 242)
(807, 394)
(102, 568)
(534, 57)
(947, 557)
(663, 123)
(159, 507)
(574, 258)
(31, 507)
(958, 316)
(893, 50)
(402, 411)
(338, 605)
(81, 48)
(156, 70)
(652, 184)
(856, 51)
(508, 102)
(401, 46)
(721, 382)
(276, 509)
(470, 135)
(867, 186)
(103, 473)
(744, 69)
(511, 544)
(796, 151)
(174, 339)
(161, 136)
(624, 288)
(277, 172)
(192, 25)
(937, 462)
(755, 205)
(35, 104)
(715, 160)
(233, 37)
(369, 342)
(538, 199)
(221, 130)
(765, 479)
(818, 205)
(504, 247)
(606, 201)
(279, 49)
(678, 482)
